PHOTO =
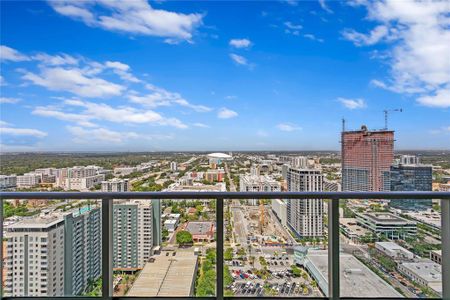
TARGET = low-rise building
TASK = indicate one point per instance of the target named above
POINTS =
(201, 231)
(8, 182)
(436, 256)
(350, 228)
(394, 251)
(171, 225)
(215, 175)
(426, 273)
(387, 224)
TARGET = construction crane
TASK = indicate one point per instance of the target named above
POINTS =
(386, 112)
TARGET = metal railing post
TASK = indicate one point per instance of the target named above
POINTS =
(445, 219)
(219, 248)
(107, 248)
(333, 249)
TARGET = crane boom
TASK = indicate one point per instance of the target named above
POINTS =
(386, 112)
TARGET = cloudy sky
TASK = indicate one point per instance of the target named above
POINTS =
(239, 75)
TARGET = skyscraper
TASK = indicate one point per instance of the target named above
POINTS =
(82, 249)
(132, 233)
(305, 216)
(409, 175)
(366, 159)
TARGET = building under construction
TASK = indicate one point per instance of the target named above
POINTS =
(366, 159)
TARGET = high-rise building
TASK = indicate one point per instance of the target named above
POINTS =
(305, 216)
(132, 233)
(28, 180)
(366, 159)
(115, 185)
(261, 183)
(82, 249)
(35, 257)
(409, 175)
(54, 255)
(173, 166)
(156, 222)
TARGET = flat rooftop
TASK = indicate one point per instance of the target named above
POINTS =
(356, 280)
(351, 225)
(167, 276)
(386, 218)
(428, 270)
(200, 228)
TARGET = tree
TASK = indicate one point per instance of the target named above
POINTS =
(184, 238)
(228, 254)
(296, 271)
(165, 233)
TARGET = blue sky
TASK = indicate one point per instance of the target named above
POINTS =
(238, 75)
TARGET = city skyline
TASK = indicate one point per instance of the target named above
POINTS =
(276, 75)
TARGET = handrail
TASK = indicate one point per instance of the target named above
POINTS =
(225, 195)
(333, 223)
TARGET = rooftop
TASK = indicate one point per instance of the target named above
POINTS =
(356, 280)
(386, 218)
(428, 270)
(200, 228)
(167, 276)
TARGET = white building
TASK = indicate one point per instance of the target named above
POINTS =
(394, 251)
(123, 171)
(279, 208)
(132, 231)
(115, 185)
(35, 257)
(28, 180)
(426, 273)
(171, 224)
(305, 216)
(8, 182)
(173, 166)
(83, 183)
(254, 183)
(54, 255)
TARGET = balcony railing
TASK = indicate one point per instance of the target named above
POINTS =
(333, 228)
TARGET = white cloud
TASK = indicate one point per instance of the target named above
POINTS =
(289, 127)
(262, 133)
(352, 103)
(201, 125)
(4, 100)
(325, 6)
(293, 26)
(313, 37)
(21, 132)
(240, 60)
(2, 80)
(440, 99)
(162, 97)
(99, 135)
(230, 97)
(122, 70)
(74, 80)
(7, 53)
(361, 39)
(419, 58)
(134, 17)
(291, 2)
(100, 111)
(225, 113)
(240, 43)
(55, 60)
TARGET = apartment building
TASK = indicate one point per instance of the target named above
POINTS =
(82, 249)
(258, 183)
(35, 257)
(54, 255)
(132, 233)
(305, 216)
(28, 180)
(116, 185)
(8, 182)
